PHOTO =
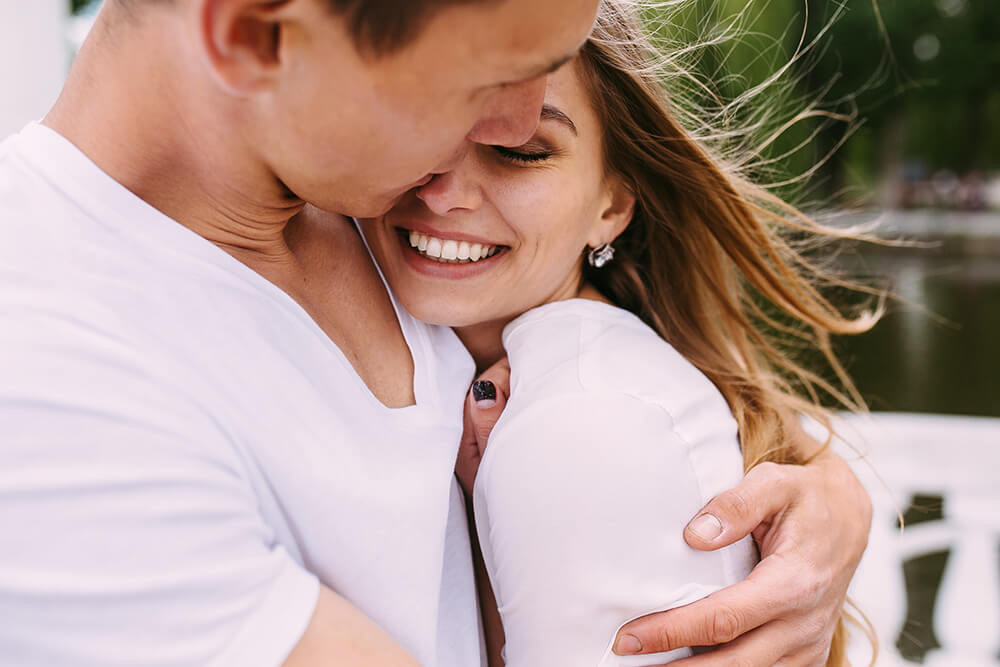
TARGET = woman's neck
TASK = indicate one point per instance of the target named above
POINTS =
(484, 341)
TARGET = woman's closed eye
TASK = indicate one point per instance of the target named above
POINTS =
(526, 154)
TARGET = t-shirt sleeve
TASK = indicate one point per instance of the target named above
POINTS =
(128, 532)
(581, 501)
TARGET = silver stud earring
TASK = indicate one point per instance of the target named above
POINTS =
(601, 255)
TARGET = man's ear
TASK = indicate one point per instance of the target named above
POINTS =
(619, 207)
(242, 41)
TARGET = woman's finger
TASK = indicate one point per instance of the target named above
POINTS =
(487, 399)
(483, 406)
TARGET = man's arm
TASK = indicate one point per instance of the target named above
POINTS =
(129, 529)
(811, 523)
(339, 634)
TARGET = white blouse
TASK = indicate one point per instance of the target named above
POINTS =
(610, 444)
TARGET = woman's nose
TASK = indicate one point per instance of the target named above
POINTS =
(513, 115)
(451, 191)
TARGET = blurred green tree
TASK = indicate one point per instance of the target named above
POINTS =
(925, 75)
(883, 83)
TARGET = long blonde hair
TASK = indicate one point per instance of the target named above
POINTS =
(710, 260)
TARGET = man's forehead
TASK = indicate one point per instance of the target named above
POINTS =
(524, 39)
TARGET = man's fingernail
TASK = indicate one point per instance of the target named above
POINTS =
(484, 390)
(706, 526)
(628, 645)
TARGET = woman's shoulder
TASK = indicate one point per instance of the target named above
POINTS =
(582, 347)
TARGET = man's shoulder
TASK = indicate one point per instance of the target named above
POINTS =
(37, 220)
(21, 188)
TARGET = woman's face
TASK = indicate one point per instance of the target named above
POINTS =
(506, 230)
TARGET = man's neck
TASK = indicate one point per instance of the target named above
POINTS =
(125, 106)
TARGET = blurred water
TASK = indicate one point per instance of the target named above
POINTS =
(936, 351)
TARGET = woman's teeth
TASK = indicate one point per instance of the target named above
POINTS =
(450, 252)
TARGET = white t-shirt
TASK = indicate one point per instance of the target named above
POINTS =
(184, 452)
(610, 444)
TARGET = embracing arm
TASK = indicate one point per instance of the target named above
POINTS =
(340, 634)
(130, 531)
(580, 502)
(811, 523)
(150, 554)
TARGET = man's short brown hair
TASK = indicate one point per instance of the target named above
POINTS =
(380, 27)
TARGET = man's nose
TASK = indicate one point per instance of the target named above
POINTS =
(452, 191)
(455, 159)
(512, 116)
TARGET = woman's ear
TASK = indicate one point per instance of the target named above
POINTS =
(241, 40)
(619, 207)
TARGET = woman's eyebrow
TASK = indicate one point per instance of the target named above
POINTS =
(549, 112)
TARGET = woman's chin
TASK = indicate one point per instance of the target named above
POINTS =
(431, 312)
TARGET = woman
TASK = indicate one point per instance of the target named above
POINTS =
(629, 278)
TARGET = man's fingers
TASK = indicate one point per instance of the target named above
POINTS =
(765, 490)
(487, 399)
(717, 619)
(763, 647)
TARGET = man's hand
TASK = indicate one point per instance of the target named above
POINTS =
(483, 407)
(811, 523)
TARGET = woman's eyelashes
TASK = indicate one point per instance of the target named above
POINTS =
(524, 154)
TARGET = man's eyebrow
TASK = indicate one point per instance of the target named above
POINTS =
(559, 63)
(549, 69)
(549, 112)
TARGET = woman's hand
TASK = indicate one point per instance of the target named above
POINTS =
(483, 406)
(486, 400)
(811, 523)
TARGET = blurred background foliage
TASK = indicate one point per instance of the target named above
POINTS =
(901, 89)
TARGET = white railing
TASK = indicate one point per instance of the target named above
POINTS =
(958, 460)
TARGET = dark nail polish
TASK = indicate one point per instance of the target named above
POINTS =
(484, 390)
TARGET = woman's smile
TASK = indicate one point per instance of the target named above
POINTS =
(449, 250)
(506, 229)
(447, 255)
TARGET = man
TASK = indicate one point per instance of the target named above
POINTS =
(207, 396)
